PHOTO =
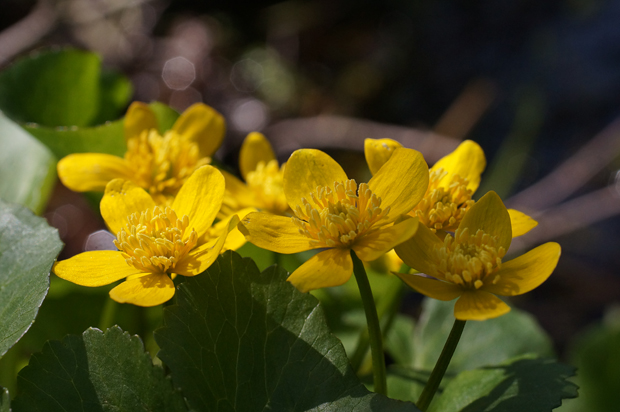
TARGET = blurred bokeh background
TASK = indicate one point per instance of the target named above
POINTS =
(535, 83)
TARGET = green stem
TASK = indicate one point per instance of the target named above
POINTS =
(107, 314)
(374, 330)
(441, 366)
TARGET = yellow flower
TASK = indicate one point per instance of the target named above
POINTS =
(263, 188)
(158, 164)
(452, 183)
(155, 242)
(332, 212)
(469, 264)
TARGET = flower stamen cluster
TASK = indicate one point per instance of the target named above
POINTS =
(163, 164)
(443, 208)
(467, 260)
(335, 218)
(266, 182)
(153, 241)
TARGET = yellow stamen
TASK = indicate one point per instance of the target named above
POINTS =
(162, 164)
(443, 208)
(467, 260)
(266, 182)
(154, 240)
(336, 218)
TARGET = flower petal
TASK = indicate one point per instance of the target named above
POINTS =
(95, 268)
(139, 117)
(520, 222)
(331, 267)
(526, 272)
(376, 244)
(255, 148)
(148, 290)
(203, 125)
(417, 252)
(305, 170)
(490, 215)
(479, 305)
(433, 288)
(273, 232)
(200, 198)
(83, 172)
(237, 196)
(467, 161)
(378, 151)
(401, 182)
(235, 238)
(199, 259)
(121, 199)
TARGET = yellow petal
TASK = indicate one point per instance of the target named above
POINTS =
(417, 252)
(95, 268)
(479, 305)
(235, 238)
(273, 232)
(203, 125)
(83, 172)
(121, 199)
(375, 244)
(305, 170)
(199, 259)
(432, 288)
(240, 193)
(139, 117)
(520, 222)
(378, 151)
(148, 290)
(401, 182)
(490, 215)
(200, 198)
(467, 161)
(255, 148)
(526, 272)
(332, 267)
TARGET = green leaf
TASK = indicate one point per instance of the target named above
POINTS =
(95, 372)
(241, 340)
(483, 343)
(116, 91)
(54, 88)
(28, 247)
(523, 384)
(28, 168)
(596, 354)
(5, 400)
(166, 115)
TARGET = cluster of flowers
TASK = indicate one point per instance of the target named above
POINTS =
(162, 199)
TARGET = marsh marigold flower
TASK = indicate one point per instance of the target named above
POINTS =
(469, 264)
(334, 213)
(452, 182)
(158, 164)
(155, 242)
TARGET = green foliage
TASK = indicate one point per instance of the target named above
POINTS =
(28, 168)
(62, 88)
(95, 372)
(28, 247)
(5, 400)
(597, 357)
(483, 343)
(241, 340)
(522, 384)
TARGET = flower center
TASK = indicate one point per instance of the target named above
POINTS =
(467, 260)
(443, 208)
(266, 182)
(163, 164)
(335, 218)
(154, 240)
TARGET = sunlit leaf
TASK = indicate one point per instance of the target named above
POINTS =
(95, 372)
(523, 384)
(28, 168)
(241, 340)
(28, 247)
(5, 400)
